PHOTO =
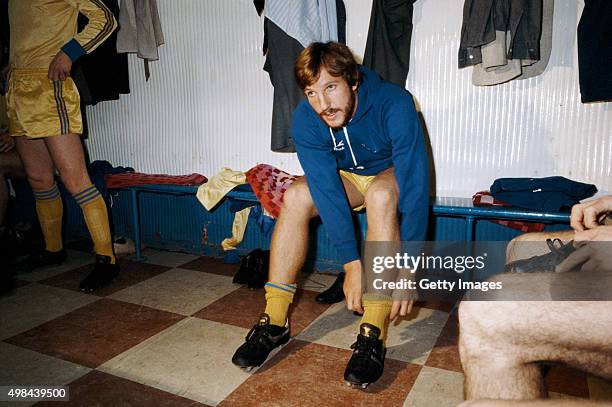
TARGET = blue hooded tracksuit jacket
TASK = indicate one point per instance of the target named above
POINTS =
(384, 132)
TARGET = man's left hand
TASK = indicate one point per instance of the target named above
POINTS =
(60, 67)
(401, 308)
(593, 253)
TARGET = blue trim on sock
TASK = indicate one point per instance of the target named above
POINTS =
(48, 194)
(280, 288)
(85, 191)
(83, 202)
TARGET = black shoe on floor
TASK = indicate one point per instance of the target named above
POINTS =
(259, 342)
(103, 273)
(544, 263)
(333, 294)
(368, 360)
(39, 259)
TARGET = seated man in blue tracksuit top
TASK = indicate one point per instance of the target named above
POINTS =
(359, 141)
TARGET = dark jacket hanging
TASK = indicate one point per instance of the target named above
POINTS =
(595, 51)
(388, 46)
(103, 74)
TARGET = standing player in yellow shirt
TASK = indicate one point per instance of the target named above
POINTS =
(45, 119)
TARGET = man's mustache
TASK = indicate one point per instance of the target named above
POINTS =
(329, 112)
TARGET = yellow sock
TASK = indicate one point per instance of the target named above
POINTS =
(96, 218)
(50, 209)
(278, 298)
(376, 311)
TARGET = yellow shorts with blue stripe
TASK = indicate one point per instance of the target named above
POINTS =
(38, 107)
(360, 182)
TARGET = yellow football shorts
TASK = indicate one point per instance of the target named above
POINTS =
(361, 182)
(38, 107)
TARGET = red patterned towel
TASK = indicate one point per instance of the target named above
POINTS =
(269, 184)
(484, 198)
(129, 179)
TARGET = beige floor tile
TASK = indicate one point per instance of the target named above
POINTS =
(410, 341)
(75, 259)
(191, 359)
(28, 368)
(318, 282)
(23, 367)
(436, 387)
(178, 290)
(599, 389)
(165, 258)
(34, 304)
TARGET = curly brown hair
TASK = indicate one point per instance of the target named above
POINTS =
(335, 57)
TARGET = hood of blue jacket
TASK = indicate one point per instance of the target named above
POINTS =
(363, 146)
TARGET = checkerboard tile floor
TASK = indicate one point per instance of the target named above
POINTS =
(163, 334)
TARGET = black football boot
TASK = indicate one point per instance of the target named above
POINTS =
(545, 263)
(41, 258)
(368, 360)
(103, 273)
(333, 294)
(259, 342)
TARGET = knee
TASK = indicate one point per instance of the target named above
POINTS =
(40, 181)
(75, 181)
(297, 199)
(382, 199)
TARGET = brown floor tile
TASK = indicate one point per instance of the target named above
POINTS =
(212, 265)
(97, 332)
(311, 374)
(445, 353)
(243, 307)
(102, 389)
(567, 380)
(131, 272)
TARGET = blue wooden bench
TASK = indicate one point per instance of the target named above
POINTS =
(441, 206)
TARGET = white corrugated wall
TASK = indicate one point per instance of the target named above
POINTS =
(208, 103)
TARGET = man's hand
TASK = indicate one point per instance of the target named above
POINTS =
(59, 69)
(594, 252)
(401, 308)
(352, 285)
(4, 72)
(588, 215)
(6, 143)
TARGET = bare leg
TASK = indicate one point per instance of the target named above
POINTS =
(501, 343)
(36, 162)
(10, 166)
(290, 238)
(381, 200)
(67, 154)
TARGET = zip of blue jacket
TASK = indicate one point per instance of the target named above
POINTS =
(384, 132)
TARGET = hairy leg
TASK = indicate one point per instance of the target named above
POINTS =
(501, 344)
(290, 238)
(381, 200)
(66, 151)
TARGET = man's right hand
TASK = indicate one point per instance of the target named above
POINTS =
(352, 285)
(589, 215)
(6, 143)
(4, 72)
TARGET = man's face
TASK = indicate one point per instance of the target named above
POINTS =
(332, 98)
